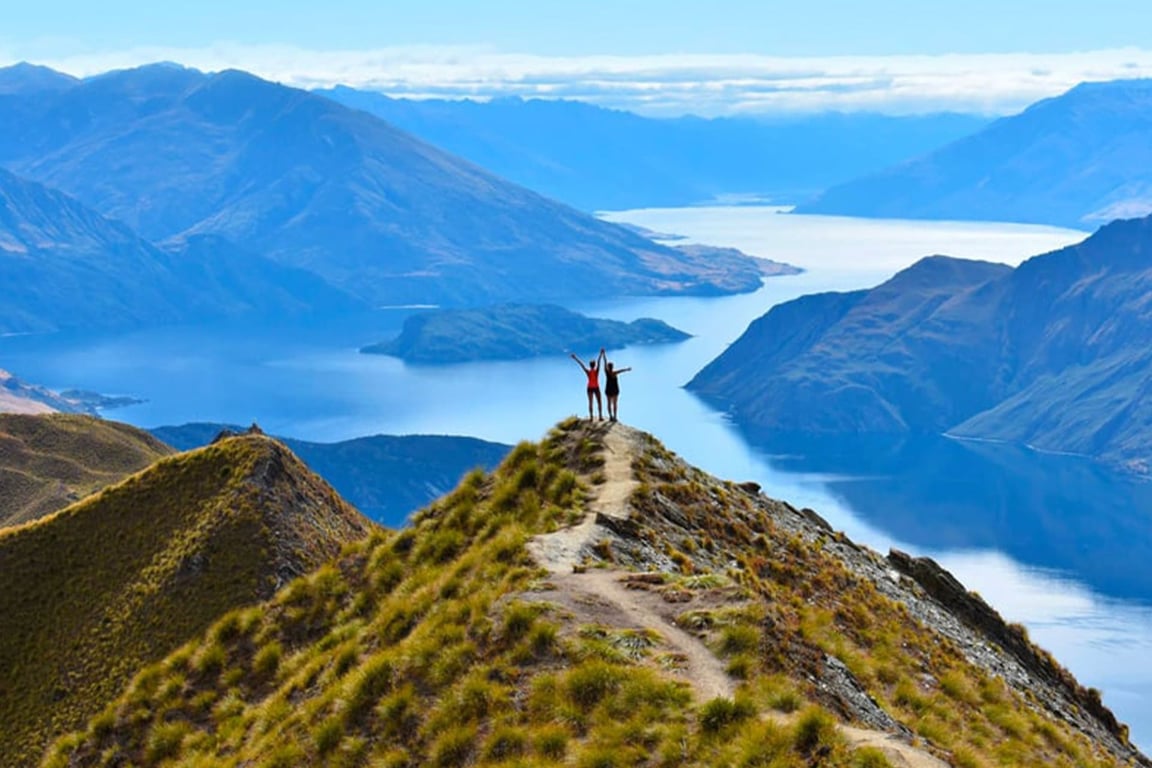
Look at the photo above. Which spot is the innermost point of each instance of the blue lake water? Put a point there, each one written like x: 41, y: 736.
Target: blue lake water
x: 1052, y: 542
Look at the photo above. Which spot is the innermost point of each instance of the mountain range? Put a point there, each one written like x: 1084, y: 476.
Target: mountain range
x: 1053, y: 354
x: 1077, y: 160
x: 595, y: 158
x: 175, y: 154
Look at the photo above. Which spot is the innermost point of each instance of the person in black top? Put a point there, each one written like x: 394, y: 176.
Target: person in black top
x: 612, y: 388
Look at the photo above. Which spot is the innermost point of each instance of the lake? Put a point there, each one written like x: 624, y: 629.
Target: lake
x: 1052, y: 542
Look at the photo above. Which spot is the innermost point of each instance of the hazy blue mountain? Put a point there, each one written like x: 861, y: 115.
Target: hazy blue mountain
x: 597, y: 159
x: 1055, y: 354
x: 386, y: 477
x: 25, y: 77
x: 311, y: 184
x: 513, y: 332
x: 64, y: 266
x: 1076, y: 160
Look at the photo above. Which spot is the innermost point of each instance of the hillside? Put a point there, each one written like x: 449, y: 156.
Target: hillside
x: 1053, y: 354
x: 595, y: 601
x: 595, y: 158
x: 1052, y: 512
x: 64, y: 266
x: 295, y: 177
x: 123, y: 578
x: 1076, y: 160
x: 515, y: 332
x: 49, y: 461
x: 386, y: 477
x: 18, y: 396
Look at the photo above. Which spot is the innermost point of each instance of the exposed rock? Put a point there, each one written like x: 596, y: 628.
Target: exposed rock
x: 1012, y: 638
x: 853, y: 702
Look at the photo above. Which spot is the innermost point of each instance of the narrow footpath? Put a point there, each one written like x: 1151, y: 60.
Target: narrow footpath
x: 602, y: 596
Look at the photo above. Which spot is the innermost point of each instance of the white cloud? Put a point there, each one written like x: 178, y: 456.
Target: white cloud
x: 667, y: 84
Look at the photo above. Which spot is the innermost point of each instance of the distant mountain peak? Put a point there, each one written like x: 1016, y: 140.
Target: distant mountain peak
x: 1071, y: 160
x: 314, y: 185
x: 24, y: 77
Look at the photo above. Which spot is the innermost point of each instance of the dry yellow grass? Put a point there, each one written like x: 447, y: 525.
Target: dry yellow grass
x: 93, y: 592
x: 50, y: 461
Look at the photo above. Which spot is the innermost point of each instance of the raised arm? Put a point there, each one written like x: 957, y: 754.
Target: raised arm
x: 623, y: 370
x: 602, y: 357
x: 579, y: 362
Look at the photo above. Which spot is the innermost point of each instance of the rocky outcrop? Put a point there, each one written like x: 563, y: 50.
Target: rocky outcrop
x: 970, y: 608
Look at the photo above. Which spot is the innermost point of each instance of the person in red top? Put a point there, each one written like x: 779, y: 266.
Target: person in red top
x: 592, y: 371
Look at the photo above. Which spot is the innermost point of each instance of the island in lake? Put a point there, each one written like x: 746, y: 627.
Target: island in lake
x: 515, y: 332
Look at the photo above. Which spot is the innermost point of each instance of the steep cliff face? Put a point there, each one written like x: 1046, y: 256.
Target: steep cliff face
x: 596, y: 600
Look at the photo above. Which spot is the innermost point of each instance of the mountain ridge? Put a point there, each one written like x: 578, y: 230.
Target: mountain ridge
x: 451, y: 643
x: 1074, y: 160
x: 386, y: 477
x: 308, y: 183
x: 597, y: 158
x: 50, y: 461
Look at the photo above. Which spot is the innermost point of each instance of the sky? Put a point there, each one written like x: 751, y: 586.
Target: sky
x: 716, y: 57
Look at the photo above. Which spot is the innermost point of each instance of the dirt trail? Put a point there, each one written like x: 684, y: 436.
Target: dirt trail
x: 603, y: 596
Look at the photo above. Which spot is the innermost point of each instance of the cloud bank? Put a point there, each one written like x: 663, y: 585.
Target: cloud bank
x: 666, y: 84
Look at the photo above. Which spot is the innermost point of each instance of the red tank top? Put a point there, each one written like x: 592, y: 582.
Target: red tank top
x: 593, y: 378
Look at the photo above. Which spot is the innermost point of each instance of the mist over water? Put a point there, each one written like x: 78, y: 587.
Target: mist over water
x: 1052, y: 542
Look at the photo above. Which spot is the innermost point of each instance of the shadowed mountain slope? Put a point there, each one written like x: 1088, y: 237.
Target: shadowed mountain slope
x: 124, y: 577
x: 49, y: 461
x: 596, y: 601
